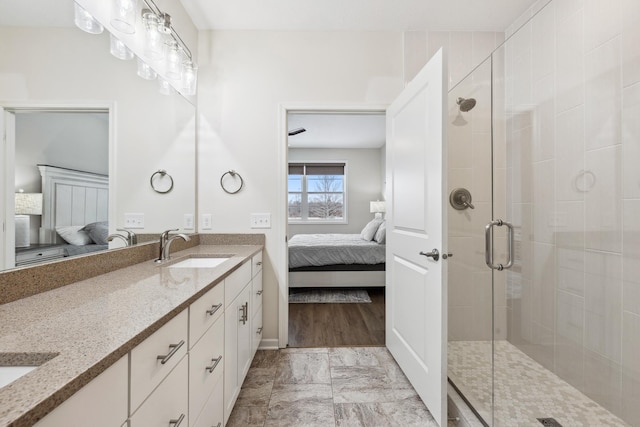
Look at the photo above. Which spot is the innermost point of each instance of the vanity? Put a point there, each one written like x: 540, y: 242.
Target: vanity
x: 143, y: 345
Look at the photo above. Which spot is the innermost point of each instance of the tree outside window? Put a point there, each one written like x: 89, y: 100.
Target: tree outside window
x: 317, y: 192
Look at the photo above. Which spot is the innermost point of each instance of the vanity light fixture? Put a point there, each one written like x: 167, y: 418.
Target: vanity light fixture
x: 189, y: 77
x: 119, y: 49
x: 123, y: 15
x: 145, y: 71
x: 173, y: 60
x: 164, y: 87
x: 85, y: 21
x: 153, y: 37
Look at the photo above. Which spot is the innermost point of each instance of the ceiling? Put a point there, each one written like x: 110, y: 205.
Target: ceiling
x: 339, y: 130
x: 290, y: 15
x: 356, y: 15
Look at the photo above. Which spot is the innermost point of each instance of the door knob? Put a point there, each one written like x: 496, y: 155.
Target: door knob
x: 435, y: 254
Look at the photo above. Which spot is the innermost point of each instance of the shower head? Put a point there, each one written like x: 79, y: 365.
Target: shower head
x: 466, y: 104
x: 296, y: 131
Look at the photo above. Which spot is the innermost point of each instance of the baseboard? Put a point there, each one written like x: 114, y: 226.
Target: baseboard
x: 269, y: 344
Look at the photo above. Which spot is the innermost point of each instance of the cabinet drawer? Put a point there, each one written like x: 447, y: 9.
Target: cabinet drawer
x: 256, y: 264
x: 206, y: 365
x: 168, y: 402
x: 212, y: 415
x: 204, y: 312
x: 147, y: 369
x: 101, y: 403
x: 31, y: 256
x: 236, y: 282
x: 256, y: 292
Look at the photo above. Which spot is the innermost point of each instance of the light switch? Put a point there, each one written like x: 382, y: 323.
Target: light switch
x: 134, y: 220
x: 260, y: 220
x: 188, y: 221
x: 206, y: 222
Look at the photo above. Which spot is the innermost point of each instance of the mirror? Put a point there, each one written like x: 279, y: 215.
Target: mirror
x: 51, y: 69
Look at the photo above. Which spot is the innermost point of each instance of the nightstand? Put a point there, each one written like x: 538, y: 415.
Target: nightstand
x: 34, y: 254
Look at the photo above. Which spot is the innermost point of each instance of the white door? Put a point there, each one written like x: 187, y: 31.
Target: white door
x: 416, y: 293
x: 7, y: 189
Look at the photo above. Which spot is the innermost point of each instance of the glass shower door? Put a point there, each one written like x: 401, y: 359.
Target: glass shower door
x: 472, y: 300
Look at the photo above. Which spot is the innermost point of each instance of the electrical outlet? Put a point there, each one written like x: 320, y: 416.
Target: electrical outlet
x: 206, y: 222
x: 260, y: 220
x: 134, y: 220
x: 188, y: 221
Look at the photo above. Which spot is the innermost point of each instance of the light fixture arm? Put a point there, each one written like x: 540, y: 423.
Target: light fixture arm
x: 165, y: 19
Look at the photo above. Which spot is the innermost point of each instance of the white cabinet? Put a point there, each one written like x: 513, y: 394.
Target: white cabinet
x: 168, y: 404
x: 204, y: 312
x: 206, y: 366
x: 213, y: 413
x: 256, y: 315
x: 156, y: 356
x: 101, y: 403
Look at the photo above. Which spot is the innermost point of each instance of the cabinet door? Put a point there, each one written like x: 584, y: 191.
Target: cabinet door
x: 101, y: 403
x: 212, y: 414
x: 206, y: 364
x: 168, y: 404
x: 204, y: 312
x: 256, y: 327
x: 256, y: 264
x: 256, y: 284
x: 237, y: 347
x: 147, y: 370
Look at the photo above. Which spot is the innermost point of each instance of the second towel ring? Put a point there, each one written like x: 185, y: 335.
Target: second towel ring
x: 156, y: 187
x: 233, y: 175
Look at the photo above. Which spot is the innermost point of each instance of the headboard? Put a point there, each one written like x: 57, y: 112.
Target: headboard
x: 71, y: 197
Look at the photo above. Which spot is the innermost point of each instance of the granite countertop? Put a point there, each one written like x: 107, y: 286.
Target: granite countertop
x: 89, y: 325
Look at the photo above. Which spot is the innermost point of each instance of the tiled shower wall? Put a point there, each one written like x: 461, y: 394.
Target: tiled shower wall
x: 572, y: 124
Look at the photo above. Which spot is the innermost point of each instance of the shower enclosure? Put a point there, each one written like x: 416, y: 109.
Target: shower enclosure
x: 544, y: 288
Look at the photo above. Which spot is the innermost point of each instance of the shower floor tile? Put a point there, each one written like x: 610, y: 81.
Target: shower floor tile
x: 524, y: 389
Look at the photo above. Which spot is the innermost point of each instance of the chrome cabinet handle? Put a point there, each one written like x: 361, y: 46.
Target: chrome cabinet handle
x: 245, y: 312
x: 174, y: 347
x: 215, y: 363
x: 259, y: 263
x: 213, y: 309
x: 259, y: 331
x: 488, y: 244
x: 177, y: 422
x: 259, y: 292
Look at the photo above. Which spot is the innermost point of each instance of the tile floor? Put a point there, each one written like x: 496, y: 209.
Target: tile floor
x: 345, y: 386
x: 524, y: 390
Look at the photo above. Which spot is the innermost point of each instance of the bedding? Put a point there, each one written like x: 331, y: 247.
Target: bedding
x: 71, y: 250
x: 333, y: 249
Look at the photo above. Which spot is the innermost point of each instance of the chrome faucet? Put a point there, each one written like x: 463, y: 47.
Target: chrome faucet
x: 118, y: 236
x: 165, y: 244
x: 132, y: 238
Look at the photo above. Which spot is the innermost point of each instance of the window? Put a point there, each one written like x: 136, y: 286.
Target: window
x: 317, y: 193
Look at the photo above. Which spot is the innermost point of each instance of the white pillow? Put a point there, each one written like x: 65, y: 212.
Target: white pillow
x: 370, y: 229
x: 73, y: 235
x: 381, y: 234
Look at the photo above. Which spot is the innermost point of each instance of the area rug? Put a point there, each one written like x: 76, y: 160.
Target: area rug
x: 328, y: 296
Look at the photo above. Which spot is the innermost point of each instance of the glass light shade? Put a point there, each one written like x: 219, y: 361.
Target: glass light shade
x: 153, y: 38
x: 189, y: 77
x: 119, y: 49
x: 123, y: 15
x: 377, y: 206
x: 173, y: 60
x: 85, y: 21
x: 164, y: 87
x: 145, y: 71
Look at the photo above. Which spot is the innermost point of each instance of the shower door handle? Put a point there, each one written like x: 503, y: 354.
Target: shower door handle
x: 488, y: 242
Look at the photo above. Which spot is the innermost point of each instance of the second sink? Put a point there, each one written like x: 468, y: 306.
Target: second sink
x: 199, y: 262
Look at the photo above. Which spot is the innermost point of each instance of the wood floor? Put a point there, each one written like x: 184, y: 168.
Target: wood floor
x: 338, y: 325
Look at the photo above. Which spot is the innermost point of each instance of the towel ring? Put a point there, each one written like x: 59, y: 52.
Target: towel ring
x: 157, y: 188
x: 233, y: 175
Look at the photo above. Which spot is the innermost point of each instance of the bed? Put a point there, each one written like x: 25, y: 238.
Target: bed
x: 336, y: 260
x: 75, y: 210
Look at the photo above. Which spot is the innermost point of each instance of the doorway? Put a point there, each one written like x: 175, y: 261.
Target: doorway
x: 351, y: 140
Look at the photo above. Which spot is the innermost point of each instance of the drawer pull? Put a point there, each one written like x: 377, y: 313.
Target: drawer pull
x: 215, y: 363
x: 259, y: 263
x: 259, y: 331
x: 259, y: 292
x: 174, y: 347
x: 245, y: 313
x: 213, y: 309
x: 176, y: 423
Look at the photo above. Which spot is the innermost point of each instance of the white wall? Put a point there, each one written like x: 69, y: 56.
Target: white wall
x: 245, y: 76
x: 363, y: 185
x: 58, y: 65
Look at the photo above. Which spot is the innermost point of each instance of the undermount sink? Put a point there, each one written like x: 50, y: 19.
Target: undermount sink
x: 16, y: 365
x: 200, y: 262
